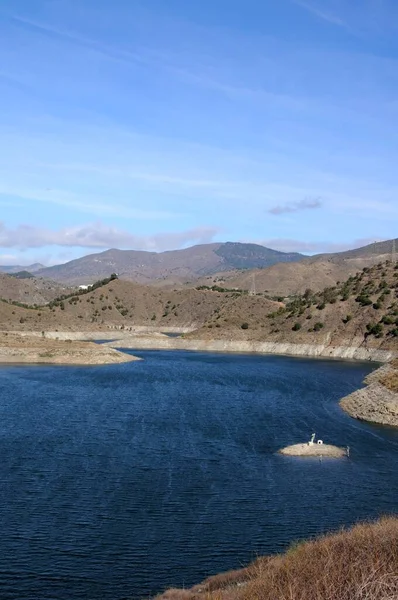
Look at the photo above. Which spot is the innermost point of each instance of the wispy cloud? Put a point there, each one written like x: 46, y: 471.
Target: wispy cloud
x: 80, y: 203
x: 306, y: 204
x: 98, y: 235
x: 8, y: 259
x: 321, y: 14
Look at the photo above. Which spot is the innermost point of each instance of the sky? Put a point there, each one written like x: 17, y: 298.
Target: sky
x: 154, y: 125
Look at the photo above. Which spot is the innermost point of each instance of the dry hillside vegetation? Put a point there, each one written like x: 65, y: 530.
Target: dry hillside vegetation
x: 358, y: 564
x: 363, y: 310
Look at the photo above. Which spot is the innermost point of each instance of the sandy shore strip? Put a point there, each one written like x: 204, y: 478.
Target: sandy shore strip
x: 16, y: 349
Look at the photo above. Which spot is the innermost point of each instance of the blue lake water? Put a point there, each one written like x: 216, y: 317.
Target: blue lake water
x: 119, y: 481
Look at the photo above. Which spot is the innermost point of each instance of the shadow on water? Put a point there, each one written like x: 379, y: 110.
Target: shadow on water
x: 119, y: 481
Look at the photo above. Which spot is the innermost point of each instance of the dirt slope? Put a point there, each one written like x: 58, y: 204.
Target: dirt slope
x: 35, y: 290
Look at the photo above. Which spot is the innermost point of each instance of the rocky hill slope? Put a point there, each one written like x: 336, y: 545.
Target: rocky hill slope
x: 361, y: 311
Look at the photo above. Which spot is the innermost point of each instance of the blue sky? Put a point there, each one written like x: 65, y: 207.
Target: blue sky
x: 155, y: 125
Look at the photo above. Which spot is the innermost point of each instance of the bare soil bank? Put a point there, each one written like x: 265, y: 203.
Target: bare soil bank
x: 147, y: 338
x: 18, y: 349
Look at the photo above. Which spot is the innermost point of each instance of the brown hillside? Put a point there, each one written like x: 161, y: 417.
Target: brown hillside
x: 125, y: 304
x: 34, y: 290
x: 285, y: 279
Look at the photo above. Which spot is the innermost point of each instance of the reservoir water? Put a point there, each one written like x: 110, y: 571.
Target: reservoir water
x: 118, y: 481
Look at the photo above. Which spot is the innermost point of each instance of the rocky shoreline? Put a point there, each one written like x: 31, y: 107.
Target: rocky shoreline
x: 375, y: 403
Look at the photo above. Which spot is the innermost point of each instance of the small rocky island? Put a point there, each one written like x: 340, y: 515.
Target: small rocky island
x: 313, y: 448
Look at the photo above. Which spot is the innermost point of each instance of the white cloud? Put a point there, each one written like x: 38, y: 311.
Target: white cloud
x: 98, y: 235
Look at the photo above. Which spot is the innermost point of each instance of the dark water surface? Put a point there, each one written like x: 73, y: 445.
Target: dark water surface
x: 118, y: 481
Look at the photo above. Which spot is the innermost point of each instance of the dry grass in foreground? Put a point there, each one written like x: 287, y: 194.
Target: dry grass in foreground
x: 356, y: 564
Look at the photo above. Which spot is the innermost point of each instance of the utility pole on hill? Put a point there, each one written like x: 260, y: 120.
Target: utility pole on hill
x: 253, y: 286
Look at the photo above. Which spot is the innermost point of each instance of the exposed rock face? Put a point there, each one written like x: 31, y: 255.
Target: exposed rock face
x: 311, y: 350
x: 375, y: 403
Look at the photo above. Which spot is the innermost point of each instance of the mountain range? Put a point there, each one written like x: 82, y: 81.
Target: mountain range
x: 18, y: 268
x: 173, y: 267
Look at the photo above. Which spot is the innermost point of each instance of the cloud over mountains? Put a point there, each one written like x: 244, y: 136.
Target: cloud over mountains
x: 98, y: 235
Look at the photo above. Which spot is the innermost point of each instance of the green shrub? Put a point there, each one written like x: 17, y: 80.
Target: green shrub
x: 245, y: 326
x: 363, y: 300
x: 387, y: 320
x: 318, y: 326
x: 375, y: 329
x: 296, y: 327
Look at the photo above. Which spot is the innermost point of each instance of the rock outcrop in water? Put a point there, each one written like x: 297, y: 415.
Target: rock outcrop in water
x: 315, y: 448
x: 325, y: 450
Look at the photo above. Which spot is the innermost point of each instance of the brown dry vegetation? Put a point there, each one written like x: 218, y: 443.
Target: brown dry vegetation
x: 390, y: 380
x: 357, y: 564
